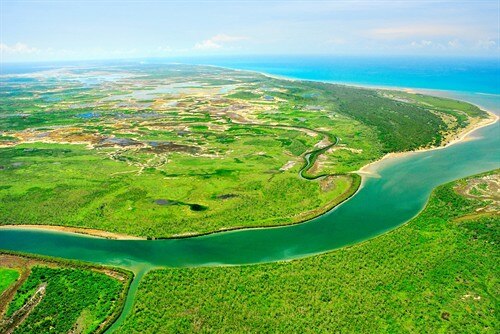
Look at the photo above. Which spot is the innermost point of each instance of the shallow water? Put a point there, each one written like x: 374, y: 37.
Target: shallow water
x: 382, y: 204
x: 385, y: 202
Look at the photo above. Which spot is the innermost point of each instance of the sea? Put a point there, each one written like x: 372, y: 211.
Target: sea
x: 472, y: 78
x: 383, y: 203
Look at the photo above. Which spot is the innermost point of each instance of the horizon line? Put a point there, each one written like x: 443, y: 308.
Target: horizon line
x: 277, y: 55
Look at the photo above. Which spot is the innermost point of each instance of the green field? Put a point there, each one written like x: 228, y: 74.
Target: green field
x: 63, y: 299
x: 437, y: 274
x: 161, y: 151
x: 7, y: 277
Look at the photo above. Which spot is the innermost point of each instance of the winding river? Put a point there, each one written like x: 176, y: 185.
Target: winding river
x: 396, y: 191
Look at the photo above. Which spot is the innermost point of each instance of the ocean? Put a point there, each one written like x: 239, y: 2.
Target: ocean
x: 474, y: 79
x: 478, y: 75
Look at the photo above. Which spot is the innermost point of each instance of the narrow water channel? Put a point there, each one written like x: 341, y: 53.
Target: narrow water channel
x: 396, y: 192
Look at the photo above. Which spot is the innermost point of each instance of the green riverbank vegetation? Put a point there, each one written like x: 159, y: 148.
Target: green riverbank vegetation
x: 52, y: 296
x: 436, y: 274
x: 7, y: 278
x: 175, y: 150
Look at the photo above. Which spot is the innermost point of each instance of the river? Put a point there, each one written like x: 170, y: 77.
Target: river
x: 397, y: 192
x: 395, y: 195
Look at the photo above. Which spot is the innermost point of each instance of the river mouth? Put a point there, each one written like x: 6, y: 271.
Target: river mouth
x: 380, y: 205
x: 398, y: 192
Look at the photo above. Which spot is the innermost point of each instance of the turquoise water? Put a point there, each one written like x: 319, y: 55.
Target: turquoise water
x: 457, y: 74
x: 397, y: 193
x: 383, y: 203
x: 443, y: 73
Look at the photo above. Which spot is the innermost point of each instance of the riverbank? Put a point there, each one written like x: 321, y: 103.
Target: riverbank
x: 78, y: 230
x: 379, y: 206
x: 300, y: 219
x: 366, y: 170
x: 415, y: 273
x: 370, y: 169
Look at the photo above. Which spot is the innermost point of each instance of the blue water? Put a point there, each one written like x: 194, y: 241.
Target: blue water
x: 381, y: 205
x: 457, y: 74
x: 443, y: 73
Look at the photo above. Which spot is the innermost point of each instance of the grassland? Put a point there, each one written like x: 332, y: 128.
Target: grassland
x: 161, y: 151
x: 437, y: 274
x: 59, y: 297
x: 7, y: 277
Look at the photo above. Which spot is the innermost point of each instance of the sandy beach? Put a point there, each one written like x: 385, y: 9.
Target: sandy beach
x: 79, y: 230
x: 464, y: 135
x: 368, y: 170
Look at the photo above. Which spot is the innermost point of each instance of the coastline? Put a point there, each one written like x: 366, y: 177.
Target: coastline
x: 449, y: 94
x: 368, y: 170
x: 462, y: 136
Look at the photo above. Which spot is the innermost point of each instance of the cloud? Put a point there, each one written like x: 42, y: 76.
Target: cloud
x: 421, y: 44
x: 486, y: 44
x: 17, y: 49
x: 454, y: 43
x: 218, y: 42
x: 409, y: 31
x: 207, y: 45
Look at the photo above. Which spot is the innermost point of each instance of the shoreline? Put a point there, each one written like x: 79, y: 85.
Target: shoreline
x: 77, y: 230
x: 412, y: 90
x: 90, y: 232
x: 366, y: 171
x: 369, y: 170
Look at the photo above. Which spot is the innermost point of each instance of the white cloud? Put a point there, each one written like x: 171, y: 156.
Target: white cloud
x: 421, y: 44
x: 17, y: 49
x: 486, y: 44
x: 207, y: 45
x: 454, y: 43
x: 408, y: 31
x: 218, y: 42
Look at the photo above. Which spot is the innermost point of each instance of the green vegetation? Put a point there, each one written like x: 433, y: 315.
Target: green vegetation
x: 7, y: 277
x: 403, y: 121
x: 438, y: 273
x: 74, y: 299
x: 161, y: 151
x: 243, y: 95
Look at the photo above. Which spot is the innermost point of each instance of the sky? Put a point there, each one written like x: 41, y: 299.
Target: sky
x: 76, y: 30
